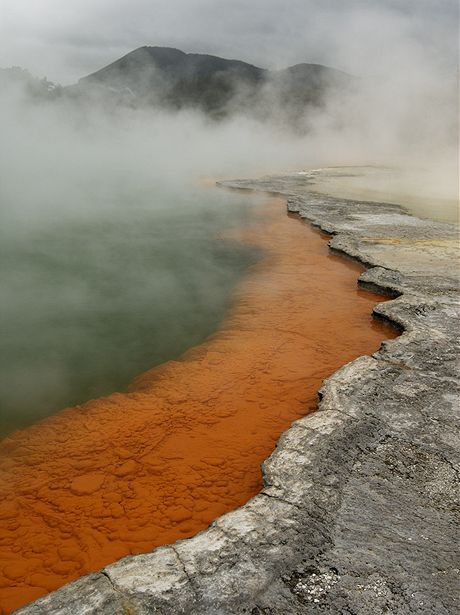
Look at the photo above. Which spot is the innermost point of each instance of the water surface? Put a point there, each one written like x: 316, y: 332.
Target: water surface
x: 128, y: 472
x: 91, y: 300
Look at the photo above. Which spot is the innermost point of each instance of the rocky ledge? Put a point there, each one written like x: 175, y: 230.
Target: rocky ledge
x: 360, y: 507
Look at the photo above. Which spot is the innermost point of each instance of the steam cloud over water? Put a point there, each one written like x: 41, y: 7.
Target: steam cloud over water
x: 403, y: 110
x: 105, y: 234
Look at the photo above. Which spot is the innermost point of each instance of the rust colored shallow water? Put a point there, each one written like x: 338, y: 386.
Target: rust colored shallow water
x: 129, y: 472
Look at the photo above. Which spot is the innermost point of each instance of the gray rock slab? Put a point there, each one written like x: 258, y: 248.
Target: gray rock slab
x: 359, y: 513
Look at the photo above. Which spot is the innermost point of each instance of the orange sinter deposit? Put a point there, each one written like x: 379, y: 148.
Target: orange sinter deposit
x: 131, y: 471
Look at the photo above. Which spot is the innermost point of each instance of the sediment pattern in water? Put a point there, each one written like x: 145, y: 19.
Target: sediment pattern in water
x: 128, y: 472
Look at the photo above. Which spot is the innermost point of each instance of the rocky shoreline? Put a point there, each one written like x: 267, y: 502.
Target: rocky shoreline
x: 359, y: 513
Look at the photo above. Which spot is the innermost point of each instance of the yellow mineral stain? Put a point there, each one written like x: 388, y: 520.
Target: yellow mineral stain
x: 131, y: 471
x: 438, y: 243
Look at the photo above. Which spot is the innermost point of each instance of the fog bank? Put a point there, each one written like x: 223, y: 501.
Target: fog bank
x: 103, y: 209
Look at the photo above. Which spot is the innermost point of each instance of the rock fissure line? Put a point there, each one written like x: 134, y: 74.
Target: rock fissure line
x: 385, y: 539
x: 112, y: 585
x: 183, y: 566
x: 275, y: 497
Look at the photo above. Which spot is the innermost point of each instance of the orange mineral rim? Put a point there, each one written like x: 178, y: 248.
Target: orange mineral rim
x: 132, y: 471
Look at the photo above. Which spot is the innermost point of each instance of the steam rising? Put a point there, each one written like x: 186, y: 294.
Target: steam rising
x: 83, y: 184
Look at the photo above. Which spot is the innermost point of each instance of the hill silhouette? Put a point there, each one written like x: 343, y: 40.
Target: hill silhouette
x: 171, y: 78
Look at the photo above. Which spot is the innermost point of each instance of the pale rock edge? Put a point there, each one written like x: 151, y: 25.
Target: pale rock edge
x: 359, y: 513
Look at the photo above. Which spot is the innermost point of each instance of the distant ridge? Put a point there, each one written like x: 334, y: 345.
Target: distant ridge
x: 168, y: 78
x: 171, y: 78
x: 169, y: 59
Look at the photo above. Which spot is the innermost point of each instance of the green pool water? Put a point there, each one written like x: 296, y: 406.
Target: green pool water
x: 89, y: 301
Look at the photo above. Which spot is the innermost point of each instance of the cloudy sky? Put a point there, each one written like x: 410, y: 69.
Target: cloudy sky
x: 66, y: 39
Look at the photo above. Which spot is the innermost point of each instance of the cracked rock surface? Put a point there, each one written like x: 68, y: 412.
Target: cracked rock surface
x: 360, y: 510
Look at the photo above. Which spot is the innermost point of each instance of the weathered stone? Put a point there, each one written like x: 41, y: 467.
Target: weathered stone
x: 91, y: 594
x: 360, y: 508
